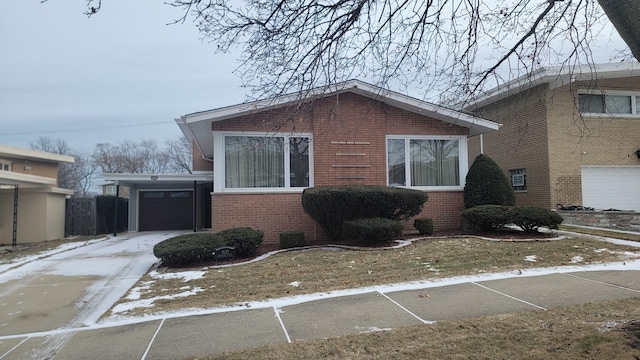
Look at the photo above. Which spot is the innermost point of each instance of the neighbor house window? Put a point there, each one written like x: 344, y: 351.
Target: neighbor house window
x: 110, y: 190
x: 276, y: 162
x: 518, y: 179
x: 429, y: 162
x: 5, y: 165
x: 614, y: 103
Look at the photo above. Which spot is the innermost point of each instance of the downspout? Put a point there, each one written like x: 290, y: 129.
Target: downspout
x: 481, y: 144
x: 194, y: 206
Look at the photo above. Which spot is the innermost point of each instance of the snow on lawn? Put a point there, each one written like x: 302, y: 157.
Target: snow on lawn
x: 186, y: 276
x: 532, y: 258
x: 148, y: 303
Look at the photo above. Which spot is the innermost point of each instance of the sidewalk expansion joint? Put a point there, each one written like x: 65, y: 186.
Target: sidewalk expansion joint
x: 284, y: 329
x: 146, y: 352
x: 406, y: 310
x: 509, y: 296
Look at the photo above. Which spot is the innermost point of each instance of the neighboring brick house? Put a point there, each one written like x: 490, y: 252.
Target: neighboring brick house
x: 569, y: 136
x: 32, y: 207
x: 264, y: 154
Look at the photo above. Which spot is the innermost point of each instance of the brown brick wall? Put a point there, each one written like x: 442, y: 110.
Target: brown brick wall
x: 348, y: 148
x: 521, y: 142
x: 199, y: 162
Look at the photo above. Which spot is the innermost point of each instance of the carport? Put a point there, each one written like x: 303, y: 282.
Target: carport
x: 166, y: 202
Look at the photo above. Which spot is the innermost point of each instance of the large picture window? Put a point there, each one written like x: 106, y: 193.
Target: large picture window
x: 426, y: 162
x: 264, y: 161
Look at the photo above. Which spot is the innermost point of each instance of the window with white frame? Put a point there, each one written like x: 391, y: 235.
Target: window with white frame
x: 266, y: 162
x: 518, y: 179
x: 609, y: 102
x: 5, y: 165
x: 110, y: 190
x: 426, y: 162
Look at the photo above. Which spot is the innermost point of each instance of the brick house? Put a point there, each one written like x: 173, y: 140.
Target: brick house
x: 263, y: 154
x: 568, y: 137
x: 32, y: 207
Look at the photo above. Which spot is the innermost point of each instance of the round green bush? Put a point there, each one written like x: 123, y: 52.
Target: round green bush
x: 187, y: 249
x: 424, y: 226
x: 530, y: 218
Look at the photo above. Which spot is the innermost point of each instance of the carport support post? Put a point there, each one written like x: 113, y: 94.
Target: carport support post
x: 115, y: 217
x: 14, y: 241
x: 194, y: 206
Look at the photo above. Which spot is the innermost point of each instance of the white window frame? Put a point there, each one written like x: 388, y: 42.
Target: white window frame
x: 110, y: 190
x: 520, y: 174
x: 219, y: 184
x: 463, y: 159
x: 635, y: 98
x: 5, y: 163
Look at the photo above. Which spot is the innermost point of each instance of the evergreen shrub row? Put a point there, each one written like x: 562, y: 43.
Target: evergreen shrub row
x: 495, y: 217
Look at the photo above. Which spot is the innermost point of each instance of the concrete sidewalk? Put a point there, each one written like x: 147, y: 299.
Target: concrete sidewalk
x: 178, y: 337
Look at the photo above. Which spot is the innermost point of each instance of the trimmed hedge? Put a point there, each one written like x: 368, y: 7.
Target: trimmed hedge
x: 291, y: 239
x: 187, y: 249
x: 488, y: 217
x: 495, y: 217
x: 530, y: 218
x: 424, y: 226
x: 331, y: 206
x: 244, y: 239
x: 372, y: 230
x: 200, y: 247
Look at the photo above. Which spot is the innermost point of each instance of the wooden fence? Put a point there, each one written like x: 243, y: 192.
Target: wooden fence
x: 80, y: 217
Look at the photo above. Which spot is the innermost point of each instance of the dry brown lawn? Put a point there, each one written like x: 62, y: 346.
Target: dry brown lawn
x: 323, y: 270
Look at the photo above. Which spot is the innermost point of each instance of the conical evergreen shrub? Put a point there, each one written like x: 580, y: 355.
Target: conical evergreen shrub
x: 487, y: 184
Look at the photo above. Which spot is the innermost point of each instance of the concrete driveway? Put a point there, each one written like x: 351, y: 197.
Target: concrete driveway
x: 72, y: 288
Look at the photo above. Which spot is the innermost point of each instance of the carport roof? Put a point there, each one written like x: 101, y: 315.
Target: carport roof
x: 25, y: 180
x: 131, y: 180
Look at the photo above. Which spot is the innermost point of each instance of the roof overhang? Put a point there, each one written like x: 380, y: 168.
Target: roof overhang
x: 158, y: 180
x: 25, y: 180
x: 197, y: 126
x: 554, y: 76
x: 20, y: 153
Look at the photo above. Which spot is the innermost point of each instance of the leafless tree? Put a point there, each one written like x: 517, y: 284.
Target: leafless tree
x: 144, y: 157
x: 77, y: 176
x: 181, y: 155
x: 450, y: 49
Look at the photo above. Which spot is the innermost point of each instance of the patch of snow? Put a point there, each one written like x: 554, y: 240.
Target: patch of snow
x: 531, y: 258
x: 295, y: 283
x: 148, y: 303
x: 577, y: 259
x: 369, y: 329
x: 186, y: 276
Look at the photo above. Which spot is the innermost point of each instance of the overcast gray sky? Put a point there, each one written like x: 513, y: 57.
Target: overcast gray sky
x: 123, y: 74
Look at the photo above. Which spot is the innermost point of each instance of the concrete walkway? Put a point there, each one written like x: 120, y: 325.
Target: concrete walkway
x: 277, y: 322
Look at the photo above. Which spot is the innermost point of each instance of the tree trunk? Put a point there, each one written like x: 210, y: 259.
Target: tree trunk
x: 625, y: 16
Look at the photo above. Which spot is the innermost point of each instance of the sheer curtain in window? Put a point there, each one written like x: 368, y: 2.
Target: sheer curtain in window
x: 434, y: 162
x: 253, y: 161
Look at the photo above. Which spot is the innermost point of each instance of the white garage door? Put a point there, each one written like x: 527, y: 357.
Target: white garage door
x: 608, y: 187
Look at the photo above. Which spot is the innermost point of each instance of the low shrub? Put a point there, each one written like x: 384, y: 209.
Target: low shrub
x: 187, y: 249
x: 372, y: 231
x: 200, y: 247
x: 291, y: 239
x: 424, y: 226
x: 331, y: 206
x: 488, y: 217
x: 530, y: 218
x: 244, y: 239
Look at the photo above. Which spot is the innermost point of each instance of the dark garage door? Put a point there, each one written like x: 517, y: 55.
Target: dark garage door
x: 165, y: 210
